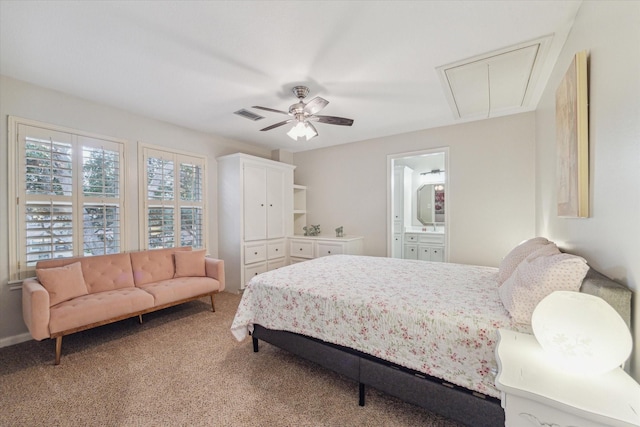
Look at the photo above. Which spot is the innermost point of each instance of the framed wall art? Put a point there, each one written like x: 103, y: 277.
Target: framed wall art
x: 572, y: 139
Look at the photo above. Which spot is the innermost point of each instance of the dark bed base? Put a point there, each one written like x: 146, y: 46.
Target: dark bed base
x: 456, y: 403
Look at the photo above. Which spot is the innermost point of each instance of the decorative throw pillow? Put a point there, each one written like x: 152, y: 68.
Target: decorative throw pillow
x: 517, y: 255
x: 190, y: 264
x: 538, y: 276
x: 62, y: 283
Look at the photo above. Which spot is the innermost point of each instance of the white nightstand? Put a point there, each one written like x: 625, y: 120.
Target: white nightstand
x: 535, y: 393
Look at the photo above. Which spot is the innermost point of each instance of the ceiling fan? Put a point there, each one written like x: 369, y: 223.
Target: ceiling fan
x: 303, y: 114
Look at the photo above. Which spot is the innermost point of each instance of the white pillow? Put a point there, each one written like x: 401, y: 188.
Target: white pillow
x: 541, y: 273
x: 517, y: 255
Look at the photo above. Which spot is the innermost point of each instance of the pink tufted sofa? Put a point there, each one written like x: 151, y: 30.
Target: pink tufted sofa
x: 115, y: 287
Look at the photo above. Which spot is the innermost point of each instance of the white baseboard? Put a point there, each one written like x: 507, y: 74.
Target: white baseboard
x: 16, y: 339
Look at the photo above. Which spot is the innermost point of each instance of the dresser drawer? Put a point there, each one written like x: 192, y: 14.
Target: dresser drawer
x: 255, y: 253
x: 410, y: 238
x: 325, y: 249
x: 437, y: 239
x: 272, y: 265
x: 275, y: 250
x: 251, y: 271
x: 301, y: 248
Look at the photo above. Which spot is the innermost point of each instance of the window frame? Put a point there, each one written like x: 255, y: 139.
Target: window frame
x: 18, y: 199
x: 145, y: 151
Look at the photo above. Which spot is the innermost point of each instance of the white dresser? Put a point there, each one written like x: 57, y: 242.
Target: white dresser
x: 535, y: 393
x: 255, y: 216
x: 303, y: 248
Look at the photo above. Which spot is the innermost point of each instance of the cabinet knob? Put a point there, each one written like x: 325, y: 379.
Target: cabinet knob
x: 255, y: 253
x: 261, y: 204
x: 276, y: 249
x: 328, y: 252
x: 300, y: 248
x: 270, y: 204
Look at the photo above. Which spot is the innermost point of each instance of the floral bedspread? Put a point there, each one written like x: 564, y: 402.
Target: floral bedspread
x: 437, y: 318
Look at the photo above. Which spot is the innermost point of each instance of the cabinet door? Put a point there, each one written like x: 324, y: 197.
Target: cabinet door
x: 275, y: 203
x: 410, y: 252
x: 437, y: 253
x: 397, y: 246
x: 255, y: 202
x: 424, y: 253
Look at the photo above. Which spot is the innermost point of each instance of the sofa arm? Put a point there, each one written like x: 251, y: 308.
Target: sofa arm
x: 215, y: 269
x: 35, y: 308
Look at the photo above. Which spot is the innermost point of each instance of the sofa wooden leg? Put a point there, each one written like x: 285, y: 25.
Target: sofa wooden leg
x: 58, y: 349
x: 213, y: 307
x: 140, y: 318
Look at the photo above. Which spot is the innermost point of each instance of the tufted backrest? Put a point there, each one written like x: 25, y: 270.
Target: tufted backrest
x: 101, y: 273
x: 154, y: 265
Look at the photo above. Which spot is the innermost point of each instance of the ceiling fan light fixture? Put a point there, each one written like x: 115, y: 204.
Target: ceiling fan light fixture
x: 302, y: 130
x: 302, y: 114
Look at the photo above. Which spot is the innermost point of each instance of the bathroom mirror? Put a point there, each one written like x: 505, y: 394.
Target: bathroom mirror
x: 430, y: 203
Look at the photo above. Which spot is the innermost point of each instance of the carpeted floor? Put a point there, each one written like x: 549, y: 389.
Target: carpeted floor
x: 182, y: 367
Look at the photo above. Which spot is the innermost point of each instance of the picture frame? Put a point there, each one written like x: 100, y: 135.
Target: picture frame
x: 572, y: 140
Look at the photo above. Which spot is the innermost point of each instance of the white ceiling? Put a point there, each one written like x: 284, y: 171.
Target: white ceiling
x: 193, y: 63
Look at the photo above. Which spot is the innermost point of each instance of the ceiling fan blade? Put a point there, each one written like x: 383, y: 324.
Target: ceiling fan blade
x: 315, y: 105
x: 332, y: 120
x: 315, y: 131
x: 278, y: 124
x: 270, y: 109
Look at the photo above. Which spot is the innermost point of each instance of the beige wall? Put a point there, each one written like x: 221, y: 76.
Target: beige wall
x: 610, y: 238
x: 490, y: 186
x: 24, y: 100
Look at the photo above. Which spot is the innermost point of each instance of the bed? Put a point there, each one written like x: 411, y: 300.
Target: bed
x: 421, y: 331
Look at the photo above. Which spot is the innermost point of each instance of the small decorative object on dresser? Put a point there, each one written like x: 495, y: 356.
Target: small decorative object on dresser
x: 311, y: 230
x: 339, y: 232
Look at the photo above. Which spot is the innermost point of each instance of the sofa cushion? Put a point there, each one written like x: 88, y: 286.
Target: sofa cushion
x: 62, y: 283
x: 101, y: 273
x: 168, y: 291
x: 154, y: 265
x: 190, y: 264
x: 98, y: 307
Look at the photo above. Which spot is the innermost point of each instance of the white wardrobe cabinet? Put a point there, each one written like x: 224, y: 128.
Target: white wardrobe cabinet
x: 263, y: 202
x: 255, y: 215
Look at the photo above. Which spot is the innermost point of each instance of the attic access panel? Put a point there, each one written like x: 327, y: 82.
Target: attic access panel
x: 495, y: 83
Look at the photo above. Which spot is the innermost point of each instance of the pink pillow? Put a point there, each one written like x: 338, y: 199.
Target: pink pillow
x: 62, y: 283
x: 517, y: 255
x: 190, y: 264
x: 540, y: 274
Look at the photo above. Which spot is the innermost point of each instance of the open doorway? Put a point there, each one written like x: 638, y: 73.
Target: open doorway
x: 417, y: 205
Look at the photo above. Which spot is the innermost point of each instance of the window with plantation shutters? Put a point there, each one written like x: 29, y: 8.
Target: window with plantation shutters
x: 174, y: 205
x: 68, y: 192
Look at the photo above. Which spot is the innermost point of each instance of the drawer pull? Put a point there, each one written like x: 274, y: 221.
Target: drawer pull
x: 300, y: 248
x: 328, y: 252
x: 255, y: 253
